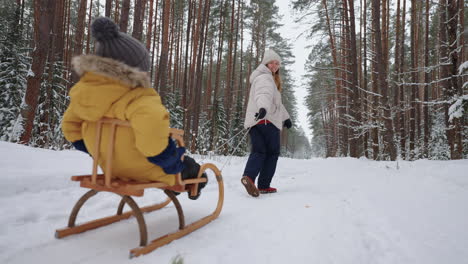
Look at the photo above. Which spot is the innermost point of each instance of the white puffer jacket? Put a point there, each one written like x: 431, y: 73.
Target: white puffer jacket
x: 264, y: 94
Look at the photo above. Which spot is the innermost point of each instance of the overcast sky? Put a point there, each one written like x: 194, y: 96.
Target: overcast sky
x: 291, y: 31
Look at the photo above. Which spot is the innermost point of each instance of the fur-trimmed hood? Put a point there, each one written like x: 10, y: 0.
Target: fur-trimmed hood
x: 113, y: 69
x: 106, y: 87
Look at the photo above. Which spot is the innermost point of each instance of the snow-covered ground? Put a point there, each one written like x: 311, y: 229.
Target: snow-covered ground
x: 338, y: 210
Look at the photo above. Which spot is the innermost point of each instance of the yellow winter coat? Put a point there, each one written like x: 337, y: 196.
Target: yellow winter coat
x: 109, y: 88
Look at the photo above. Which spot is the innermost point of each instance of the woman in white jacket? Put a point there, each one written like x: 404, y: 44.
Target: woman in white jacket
x: 265, y: 116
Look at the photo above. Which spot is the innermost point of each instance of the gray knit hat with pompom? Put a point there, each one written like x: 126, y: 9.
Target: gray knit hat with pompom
x: 111, y: 43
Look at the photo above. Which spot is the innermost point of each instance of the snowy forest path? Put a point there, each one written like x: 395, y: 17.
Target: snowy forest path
x: 336, y: 210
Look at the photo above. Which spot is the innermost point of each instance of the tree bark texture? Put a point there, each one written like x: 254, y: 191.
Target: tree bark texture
x: 382, y: 81
x: 43, y: 11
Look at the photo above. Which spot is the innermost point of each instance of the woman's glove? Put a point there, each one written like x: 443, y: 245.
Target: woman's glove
x: 169, y: 160
x: 287, y: 123
x: 261, y: 114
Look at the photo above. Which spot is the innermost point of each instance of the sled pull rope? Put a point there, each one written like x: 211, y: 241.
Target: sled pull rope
x: 233, y: 137
x: 229, y: 140
x: 240, y: 142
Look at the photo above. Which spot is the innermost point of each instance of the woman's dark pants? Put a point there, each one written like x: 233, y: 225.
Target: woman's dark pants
x: 265, y: 139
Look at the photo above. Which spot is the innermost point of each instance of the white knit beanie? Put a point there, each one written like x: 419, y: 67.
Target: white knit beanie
x: 270, y: 55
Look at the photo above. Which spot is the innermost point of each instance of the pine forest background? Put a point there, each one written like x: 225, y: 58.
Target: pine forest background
x: 386, y: 79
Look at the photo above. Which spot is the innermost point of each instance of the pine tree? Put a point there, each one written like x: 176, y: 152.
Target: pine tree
x: 53, y: 102
x: 239, y: 141
x: 438, y: 144
x: 220, y: 127
x: 320, y: 101
x: 203, y: 138
x: 14, y: 67
x: 175, y: 110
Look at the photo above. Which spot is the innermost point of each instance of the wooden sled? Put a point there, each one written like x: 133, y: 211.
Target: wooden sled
x: 127, y: 189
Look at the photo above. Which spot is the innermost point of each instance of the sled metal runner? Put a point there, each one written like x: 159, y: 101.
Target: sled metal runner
x: 126, y: 189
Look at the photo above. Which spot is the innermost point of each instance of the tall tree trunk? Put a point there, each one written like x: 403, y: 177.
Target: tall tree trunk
x: 463, y: 56
x: 178, y: 13
x: 355, y: 106
x: 426, y: 85
x: 385, y: 32
x: 195, y: 45
x: 138, y: 18
x: 59, y: 29
x: 222, y: 20
x: 247, y: 77
x: 235, y: 84
x: 43, y: 11
x: 199, y: 72
x: 461, y: 10
x: 414, y: 78
x: 403, y: 120
x: 343, y: 97
x: 185, y: 82
x: 365, y: 79
x: 45, y: 97
x: 80, y: 25
x: 382, y: 81
x: 171, y: 51
x: 445, y: 68
x: 190, y: 115
x: 108, y: 8
x: 375, y: 102
x: 185, y: 93
x: 455, y: 90
x: 67, y: 55
x: 419, y: 87
x: 164, y: 50
x: 21, y: 18
x: 396, y: 77
x: 116, y: 12
x: 241, y: 63
x: 193, y: 77
x: 154, y: 56
x: 208, y: 103
x: 336, y: 72
x: 79, y: 34
x: 229, y: 70
x: 149, y: 32
x: 124, y: 16
x: 88, y: 37
x: 347, y: 83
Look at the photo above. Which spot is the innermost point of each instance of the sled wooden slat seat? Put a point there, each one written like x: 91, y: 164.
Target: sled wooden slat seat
x: 128, y: 188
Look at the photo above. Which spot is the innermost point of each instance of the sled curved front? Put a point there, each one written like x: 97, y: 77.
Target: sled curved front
x: 185, y: 230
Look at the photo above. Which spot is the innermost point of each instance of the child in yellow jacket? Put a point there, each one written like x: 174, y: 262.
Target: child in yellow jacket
x: 115, y: 83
